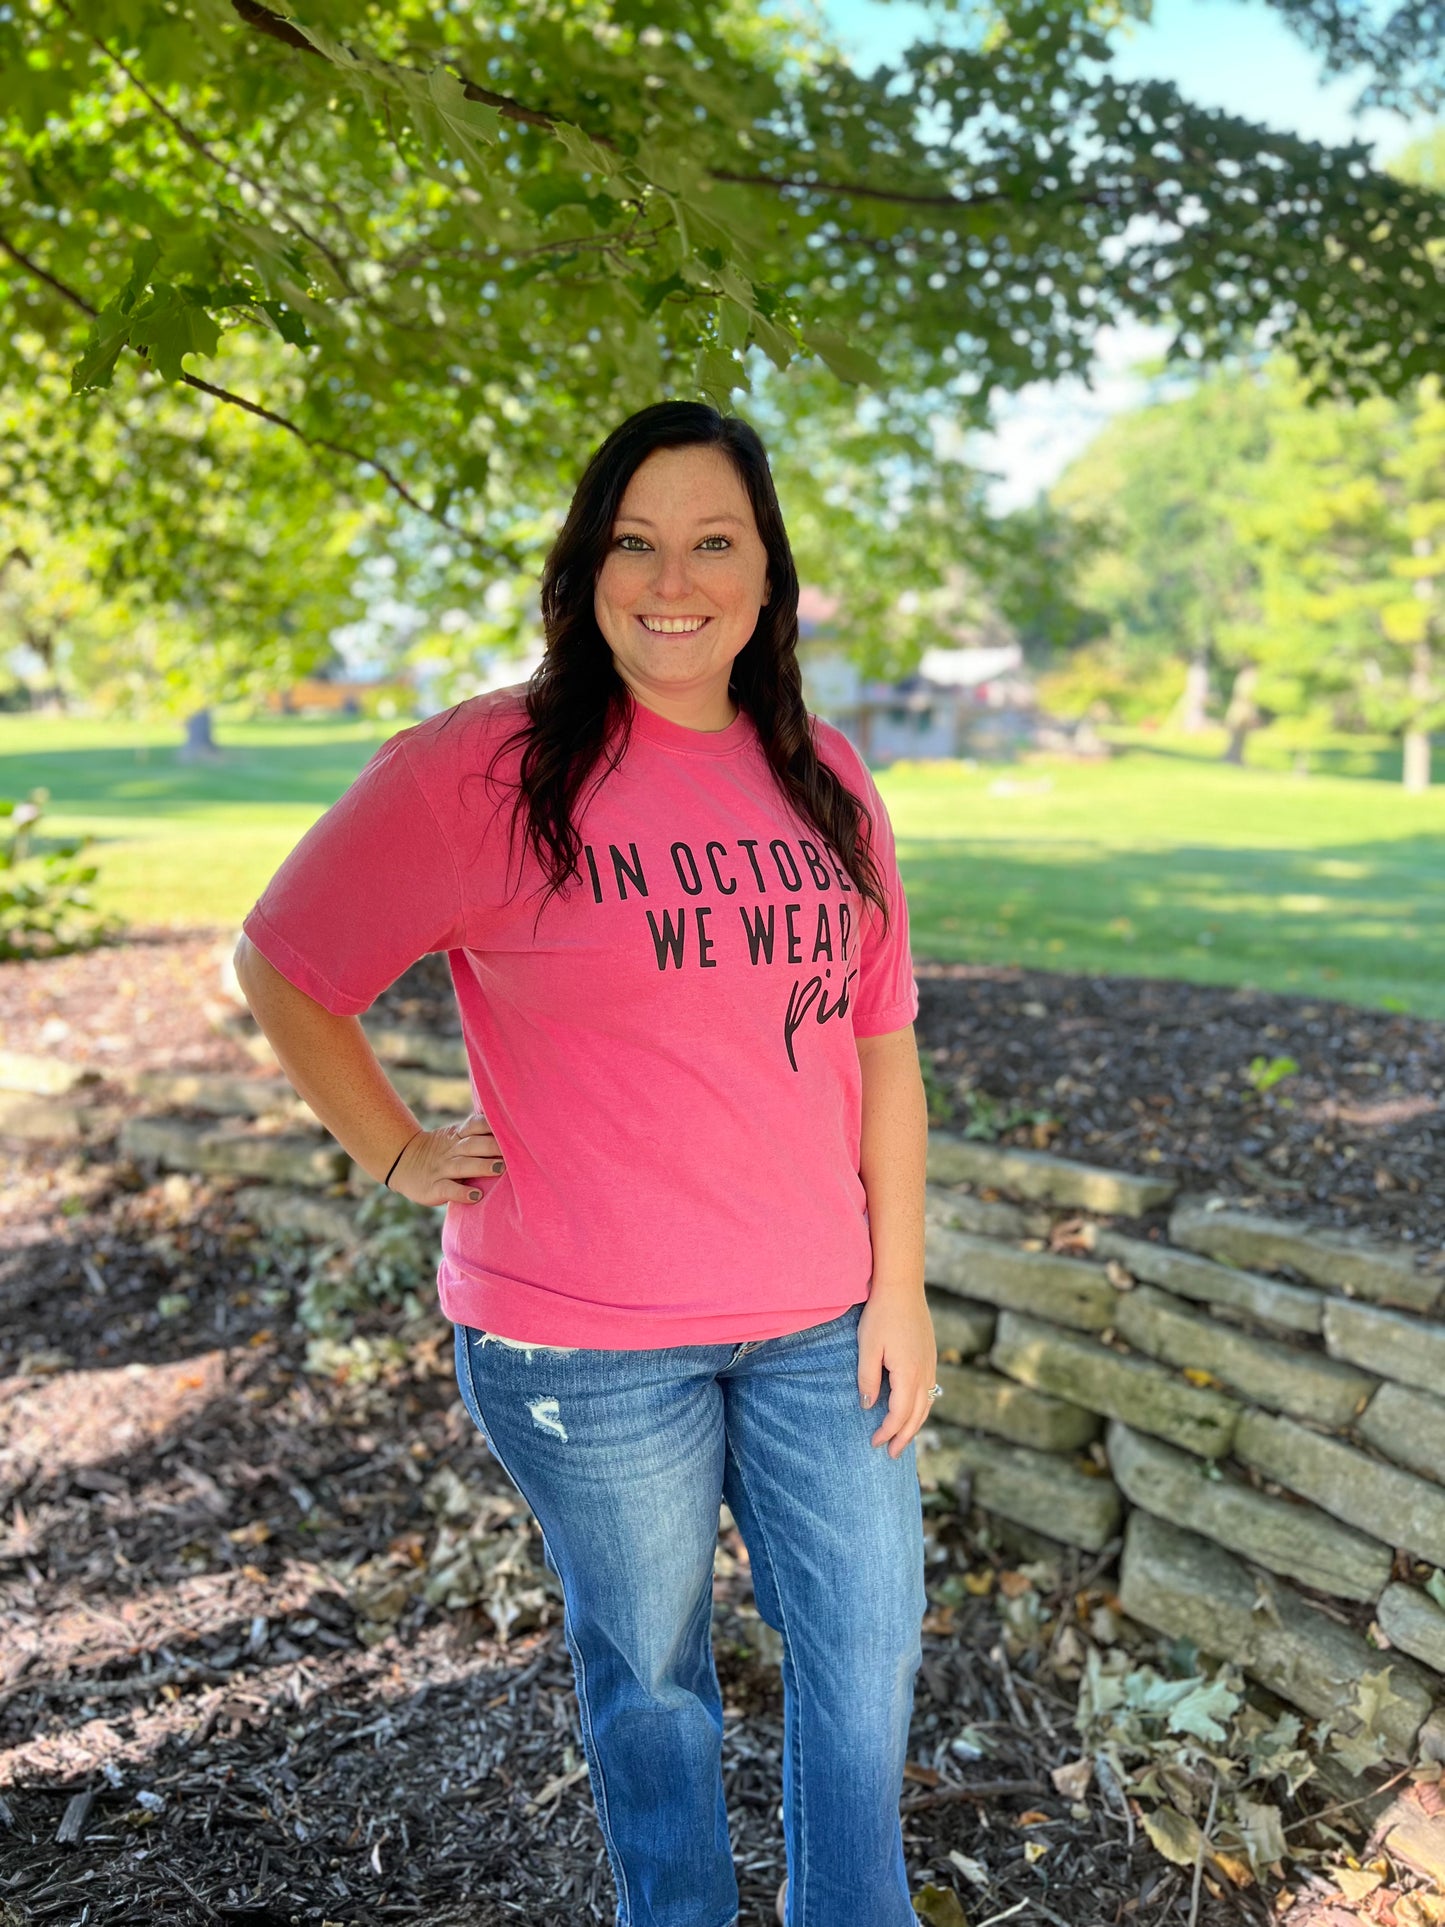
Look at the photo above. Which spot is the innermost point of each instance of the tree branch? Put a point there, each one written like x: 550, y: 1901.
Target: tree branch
x: 392, y: 480
x: 264, y: 21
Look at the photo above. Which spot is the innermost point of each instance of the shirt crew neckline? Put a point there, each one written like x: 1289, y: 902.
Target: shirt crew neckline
x: 659, y: 729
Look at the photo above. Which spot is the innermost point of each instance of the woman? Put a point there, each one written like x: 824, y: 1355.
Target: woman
x: 683, y: 1245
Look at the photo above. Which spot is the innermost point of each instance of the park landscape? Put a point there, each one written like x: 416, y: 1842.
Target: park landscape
x: 311, y: 315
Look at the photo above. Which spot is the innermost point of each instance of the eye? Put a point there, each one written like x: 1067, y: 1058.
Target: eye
x: 629, y: 538
x: 715, y: 538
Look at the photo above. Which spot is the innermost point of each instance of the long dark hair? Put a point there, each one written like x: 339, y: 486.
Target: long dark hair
x: 578, y: 708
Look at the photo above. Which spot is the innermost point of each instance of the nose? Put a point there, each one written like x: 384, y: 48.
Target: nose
x: 671, y: 576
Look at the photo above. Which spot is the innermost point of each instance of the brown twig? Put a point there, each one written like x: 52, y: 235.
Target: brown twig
x: 392, y: 480
x: 1202, y: 1849
x: 973, y: 1790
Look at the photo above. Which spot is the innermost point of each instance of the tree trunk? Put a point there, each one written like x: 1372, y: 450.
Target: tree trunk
x: 1416, y: 770
x: 200, y: 745
x: 1193, y: 716
x: 1242, y: 714
x: 1417, y: 761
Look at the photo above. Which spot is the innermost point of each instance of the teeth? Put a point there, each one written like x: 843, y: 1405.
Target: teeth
x: 672, y: 625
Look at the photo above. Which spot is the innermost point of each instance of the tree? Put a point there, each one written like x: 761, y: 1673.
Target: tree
x: 1349, y: 519
x: 473, y: 238
x: 178, y: 555
x: 1170, y: 572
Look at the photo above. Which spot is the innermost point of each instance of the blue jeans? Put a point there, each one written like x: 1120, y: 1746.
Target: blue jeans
x: 623, y: 1457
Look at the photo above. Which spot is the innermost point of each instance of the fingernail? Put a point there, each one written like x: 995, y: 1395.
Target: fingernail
x: 498, y: 1166
x: 474, y: 1195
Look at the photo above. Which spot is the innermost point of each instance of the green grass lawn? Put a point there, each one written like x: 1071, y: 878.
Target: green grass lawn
x: 1160, y: 862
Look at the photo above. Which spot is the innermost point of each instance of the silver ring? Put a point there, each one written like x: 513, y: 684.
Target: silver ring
x: 937, y: 1392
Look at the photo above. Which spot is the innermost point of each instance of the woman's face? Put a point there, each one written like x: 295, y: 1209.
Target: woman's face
x: 685, y: 574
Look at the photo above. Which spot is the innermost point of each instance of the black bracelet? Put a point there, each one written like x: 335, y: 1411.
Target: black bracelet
x: 397, y: 1159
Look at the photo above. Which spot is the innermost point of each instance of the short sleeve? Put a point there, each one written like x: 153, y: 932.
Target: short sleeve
x: 370, y: 888
x: 886, y: 996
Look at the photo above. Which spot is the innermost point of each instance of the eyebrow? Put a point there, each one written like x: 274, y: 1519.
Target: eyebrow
x: 645, y: 523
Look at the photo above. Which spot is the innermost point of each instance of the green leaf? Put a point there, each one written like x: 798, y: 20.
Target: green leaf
x: 848, y: 362
x: 141, y: 263
x: 1435, y: 1586
x: 1202, y: 1711
x: 584, y: 150
x: 109, y: 333
x: 467, y: 125
x: 776, y: 343
x: 717, y: 374
x: 170, y: 325
x: 289, y: 326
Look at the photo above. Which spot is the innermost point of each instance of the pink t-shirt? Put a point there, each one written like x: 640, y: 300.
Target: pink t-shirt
x: 667, y: 1058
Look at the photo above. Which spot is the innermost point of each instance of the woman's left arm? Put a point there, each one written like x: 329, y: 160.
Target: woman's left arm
x: 895, y: 1330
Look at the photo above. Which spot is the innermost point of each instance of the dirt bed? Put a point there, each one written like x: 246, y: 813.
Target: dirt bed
x: 205, y: 1692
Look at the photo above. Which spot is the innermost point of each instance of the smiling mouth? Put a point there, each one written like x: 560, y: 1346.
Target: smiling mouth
x: 673, y: 625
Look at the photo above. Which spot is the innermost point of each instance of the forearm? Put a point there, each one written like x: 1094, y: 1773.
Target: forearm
x: 329, y: 1062
x: 893, y: 1158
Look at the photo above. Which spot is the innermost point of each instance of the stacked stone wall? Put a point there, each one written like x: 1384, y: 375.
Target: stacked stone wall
x: 1257, y: 1406
x: 1252, y: 1411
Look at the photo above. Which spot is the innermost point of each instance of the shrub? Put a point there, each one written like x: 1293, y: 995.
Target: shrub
x: 46, y: 907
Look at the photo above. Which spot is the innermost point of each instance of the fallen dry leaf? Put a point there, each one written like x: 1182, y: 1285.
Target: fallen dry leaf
x: 255, y: 1534
x: 940, y: 1907
x: 1072, y: 1781
x: 1355, y: 1882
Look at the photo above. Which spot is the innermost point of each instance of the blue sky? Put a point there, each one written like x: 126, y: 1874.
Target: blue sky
x: 1234, y: 55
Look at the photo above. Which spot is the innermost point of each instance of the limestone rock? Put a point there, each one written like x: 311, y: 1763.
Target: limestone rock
x: 1392, y: 1506
x: 275, y: 1208
x: 1043, y: 1179
x: 1411, y: 1620
x: 1342, y: 1260
x: 1408, y: 1427
x: 1190, y: 1589
x: 1299, y: 1541
x: 40, y: 1120
x: 220, y: 1094
x: 982, y: 1217
x: 1277, y: 1376
x: 41, y: 1076
x: 1411, y: 1350
x: 446, y: 1055
x: 1061, y: 1289
x: 428, y: 1091
x: 180, y: 1146
x: 1033, y: 1489
x: 989, y: 1403
x: 1135, y: 1390
x: 959, y: 1326
x: 1268, y: 1301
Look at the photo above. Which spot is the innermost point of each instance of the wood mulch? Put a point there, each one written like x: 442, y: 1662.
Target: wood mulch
x: 224, y: 1695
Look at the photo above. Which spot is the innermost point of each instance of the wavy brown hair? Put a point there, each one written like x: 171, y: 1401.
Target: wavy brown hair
x: 578, y: 707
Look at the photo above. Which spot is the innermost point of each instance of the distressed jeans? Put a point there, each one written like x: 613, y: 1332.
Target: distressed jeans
x: 623, y: 1457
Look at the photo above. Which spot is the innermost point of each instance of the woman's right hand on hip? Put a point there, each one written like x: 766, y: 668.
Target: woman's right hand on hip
x: 445, y: 1166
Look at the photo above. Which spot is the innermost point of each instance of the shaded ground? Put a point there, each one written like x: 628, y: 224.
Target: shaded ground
x: 1154, y: 1076
x: 224, y: 1684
